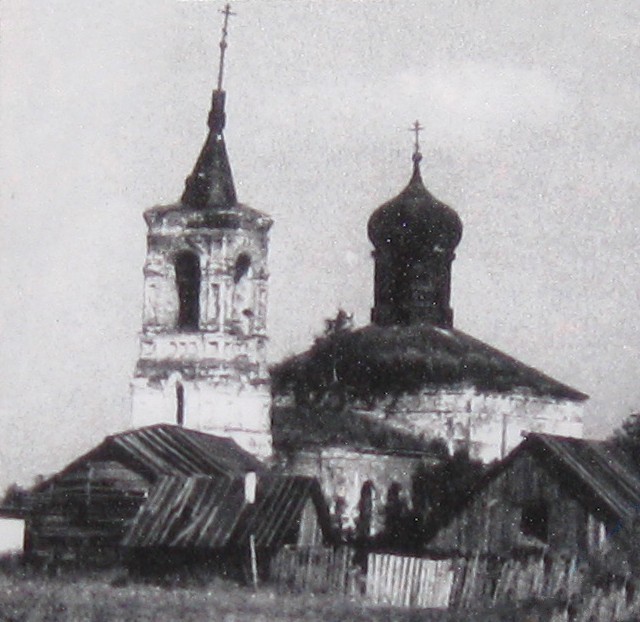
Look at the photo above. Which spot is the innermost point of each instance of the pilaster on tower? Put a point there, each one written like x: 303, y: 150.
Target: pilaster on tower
x: 202, y: 360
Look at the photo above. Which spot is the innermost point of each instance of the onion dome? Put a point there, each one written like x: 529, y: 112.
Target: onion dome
x: 415, y: 220
x: 415, y: 236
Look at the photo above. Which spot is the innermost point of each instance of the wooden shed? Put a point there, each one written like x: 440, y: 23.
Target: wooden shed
x: 81, y: 514
x: 221, y: 524
x: 550, y: 494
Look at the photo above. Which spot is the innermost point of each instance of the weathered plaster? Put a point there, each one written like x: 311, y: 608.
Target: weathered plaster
x: 343, y: 472
x: 220, y: 366
x: 489, y: 424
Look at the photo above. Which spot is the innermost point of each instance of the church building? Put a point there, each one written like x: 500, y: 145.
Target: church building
x: 360, y: 410
x: 202, y: 360
x: 408, y: 375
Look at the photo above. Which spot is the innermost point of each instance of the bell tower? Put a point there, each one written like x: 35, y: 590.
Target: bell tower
x: 202, y: 361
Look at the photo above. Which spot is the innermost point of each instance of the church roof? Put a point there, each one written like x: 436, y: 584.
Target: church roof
x: 376, y: 361
x: 210, y: 185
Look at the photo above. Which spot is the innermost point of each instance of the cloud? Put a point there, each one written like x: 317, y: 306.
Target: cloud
x: 478, y: 99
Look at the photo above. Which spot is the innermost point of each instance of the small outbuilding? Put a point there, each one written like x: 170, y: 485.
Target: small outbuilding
x: 550, y: 494
x: 231, y: 526
x: 81, y: 514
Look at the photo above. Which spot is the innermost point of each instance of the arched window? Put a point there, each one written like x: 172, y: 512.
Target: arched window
x: 179, y: 404
x: 187, y: 267
x: 395, y: 512
x: 364, y: 525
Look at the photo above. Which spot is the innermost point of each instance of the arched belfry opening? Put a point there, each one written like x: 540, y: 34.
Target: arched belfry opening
x: 187, y: 265
x: 241, y: 268
x: 202, y: 362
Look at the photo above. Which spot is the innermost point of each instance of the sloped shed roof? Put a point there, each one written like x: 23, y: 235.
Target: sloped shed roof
x: 599, y: 469
x: 299, y: 428
x: 202, y: 512
x: 168, y: 449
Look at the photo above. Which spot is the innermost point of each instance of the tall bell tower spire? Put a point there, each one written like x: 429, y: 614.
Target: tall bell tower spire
x: 211, y: 182
x: 202, y: 359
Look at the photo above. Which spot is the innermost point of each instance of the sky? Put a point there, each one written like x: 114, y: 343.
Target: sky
x: 531, y: 121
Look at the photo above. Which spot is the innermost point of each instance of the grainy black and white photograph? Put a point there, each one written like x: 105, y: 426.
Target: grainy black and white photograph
x: 320, y: 310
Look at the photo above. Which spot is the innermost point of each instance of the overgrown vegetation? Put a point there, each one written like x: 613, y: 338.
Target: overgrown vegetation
x: 627, y: 436
x: 438, y: 490
x: 376, y: 362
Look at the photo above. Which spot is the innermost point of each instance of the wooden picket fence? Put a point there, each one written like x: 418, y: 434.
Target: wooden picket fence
x: 602, y: 605
x: 408, y: 581
x: 536, y: 578
x: 314, y: 569
x: 398, y: 581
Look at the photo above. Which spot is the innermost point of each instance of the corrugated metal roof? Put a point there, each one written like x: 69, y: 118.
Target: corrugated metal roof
x: 203, y: 512
x: 602, y: 467
x: 193, y: 511
x: 146, y: 454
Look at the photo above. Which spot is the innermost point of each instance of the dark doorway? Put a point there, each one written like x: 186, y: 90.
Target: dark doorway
x: 179, y: 404
x: 187, y: 267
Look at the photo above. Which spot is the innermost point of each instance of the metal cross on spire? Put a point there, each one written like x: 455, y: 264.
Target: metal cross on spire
x: 223, y: 42
x: 416, y: 128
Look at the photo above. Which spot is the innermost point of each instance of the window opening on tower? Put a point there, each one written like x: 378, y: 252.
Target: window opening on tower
x: 243, y: 263
x: 187, y: 267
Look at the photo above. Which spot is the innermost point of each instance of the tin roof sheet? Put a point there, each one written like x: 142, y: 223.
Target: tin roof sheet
x: 203, y: 512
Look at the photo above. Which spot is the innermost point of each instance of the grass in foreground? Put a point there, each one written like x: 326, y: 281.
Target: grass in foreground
x: 34, y: 598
